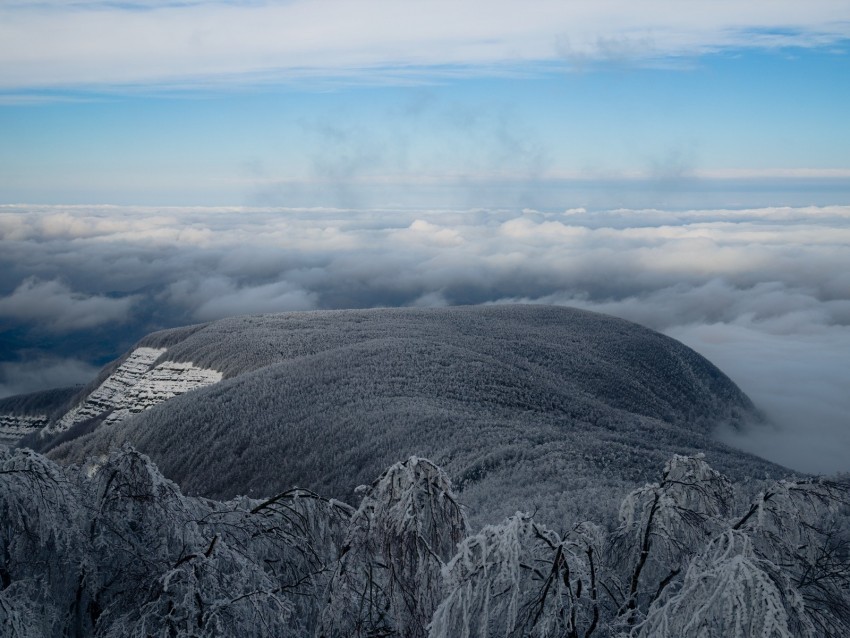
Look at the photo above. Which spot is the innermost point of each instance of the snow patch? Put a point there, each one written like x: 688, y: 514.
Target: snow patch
x: 14, y: 427
x: 137, y: 386
x: 110, y: 393
x: 163, y: 382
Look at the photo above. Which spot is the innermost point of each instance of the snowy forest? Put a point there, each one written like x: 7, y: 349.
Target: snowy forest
x: 540, y: 408
x: 112, y: 548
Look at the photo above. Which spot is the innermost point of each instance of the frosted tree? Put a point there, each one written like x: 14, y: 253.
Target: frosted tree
x: 138, y: 525
x: 207, y: 568
x: 113, y: 548
x: 728, y: 592
x: 521, y: 579
x: 804, y: 526
x: 41, y: 548
x: 29, y: 609
x: 388, y: 581
x: 217, y: 592
x: 663, y: 523
x: 296, y: 536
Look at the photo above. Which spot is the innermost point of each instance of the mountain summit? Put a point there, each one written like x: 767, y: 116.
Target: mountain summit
x: 556, y: 407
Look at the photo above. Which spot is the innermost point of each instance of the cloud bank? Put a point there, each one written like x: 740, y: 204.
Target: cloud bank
x: 43, y: 374
x: 60, y: 44
x: 764, y: 293
x: 53, y: 306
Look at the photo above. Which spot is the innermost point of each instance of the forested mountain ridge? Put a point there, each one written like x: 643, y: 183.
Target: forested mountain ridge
x: 550, y: 406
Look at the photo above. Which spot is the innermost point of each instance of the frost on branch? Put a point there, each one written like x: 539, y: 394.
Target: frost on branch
x: 211, y: 594
x: 388, y: 580
x: 28, y: 609
x: 728, y: 592
x: 521, y: 579
x: 297, y: 535
x: 40, y: 546
x: 804, y: 526
x: 213, y: 568
x: 662, y: 524
x: 114, y: 549
x: 137, y: 523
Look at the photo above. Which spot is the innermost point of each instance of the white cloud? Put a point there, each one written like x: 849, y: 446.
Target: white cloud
x: 421, y: 231
x: 216, y: 297
x: 54, y: 306
x: 62, y: 44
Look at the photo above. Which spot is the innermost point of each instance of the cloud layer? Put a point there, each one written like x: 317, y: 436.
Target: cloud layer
x: 42, y: 374
x: 60, y: 44
x: 53, y: 306
x: 765, y: 293
x: 801, y: 380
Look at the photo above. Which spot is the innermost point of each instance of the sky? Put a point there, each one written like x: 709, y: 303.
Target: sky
x: 682, y: 164
x: 375, y: 103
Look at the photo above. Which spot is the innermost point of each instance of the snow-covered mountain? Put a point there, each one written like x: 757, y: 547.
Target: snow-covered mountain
x: 27, y: 414
x: 554, y: 521
x: 14, y: 427
x: 558, y: 407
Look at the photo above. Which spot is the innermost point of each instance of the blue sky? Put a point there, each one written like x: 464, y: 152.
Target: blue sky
x: 375, y: 103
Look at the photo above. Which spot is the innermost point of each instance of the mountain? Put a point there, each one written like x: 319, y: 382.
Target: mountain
x: 26, y: 414
x: 553, y: 408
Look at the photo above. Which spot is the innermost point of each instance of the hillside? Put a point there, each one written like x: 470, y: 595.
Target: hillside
x: 26, y: 414
x: 525, y: 406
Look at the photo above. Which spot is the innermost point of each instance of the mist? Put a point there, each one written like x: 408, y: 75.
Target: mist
x: 801, y: 381
x: 764, y: 293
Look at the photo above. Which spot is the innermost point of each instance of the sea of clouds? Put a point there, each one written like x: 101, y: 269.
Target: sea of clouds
x: 764, y: 293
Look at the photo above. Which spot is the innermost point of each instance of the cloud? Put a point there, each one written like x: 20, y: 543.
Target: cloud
x: 800, y: 380
x: 60, y: 44
x: 43, y: 374
x: 218, y: 297
x: 771, y: 307
x: 55, y: 307
x: 763, y: 292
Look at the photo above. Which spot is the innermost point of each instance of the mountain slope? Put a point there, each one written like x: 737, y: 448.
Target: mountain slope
x: 26, y: 414
x: 550, y: 406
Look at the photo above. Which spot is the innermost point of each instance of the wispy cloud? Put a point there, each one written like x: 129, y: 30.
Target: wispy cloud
x: 61, y: 44
x: 614, y: 177
x: 34, y: 99
x: 774, y: 173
